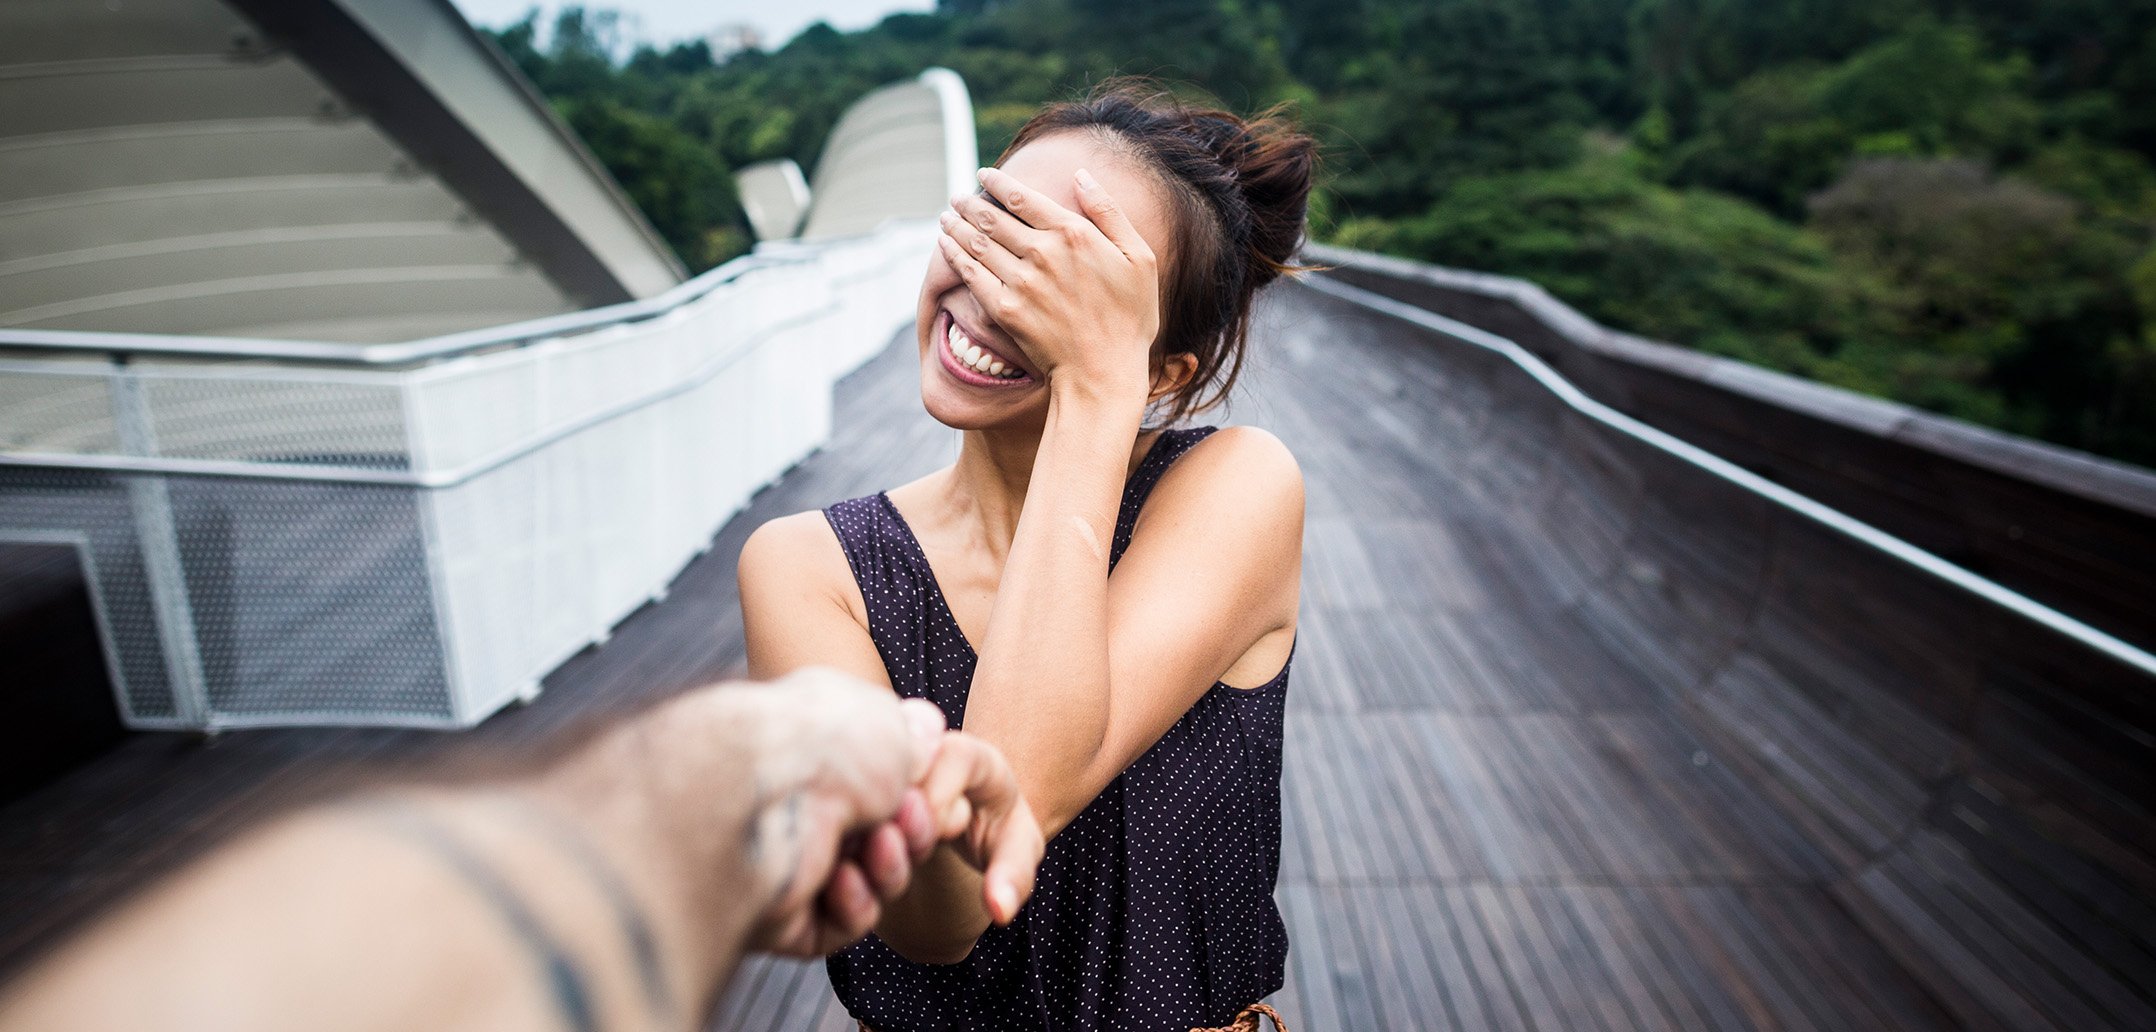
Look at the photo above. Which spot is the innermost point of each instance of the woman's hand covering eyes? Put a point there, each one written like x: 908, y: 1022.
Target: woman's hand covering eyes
x: 1078, y: 292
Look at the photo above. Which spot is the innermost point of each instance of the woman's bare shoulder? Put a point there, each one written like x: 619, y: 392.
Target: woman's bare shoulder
x: 1244, y: 467
x: 796, y: 554
x: 1243, y: 483
x: 799, y: 604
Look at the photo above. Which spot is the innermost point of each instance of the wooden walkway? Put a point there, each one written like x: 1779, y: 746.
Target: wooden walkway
x: 1494, y: 822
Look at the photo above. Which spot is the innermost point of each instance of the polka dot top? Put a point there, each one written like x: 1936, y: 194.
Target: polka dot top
x: 1154, y: 909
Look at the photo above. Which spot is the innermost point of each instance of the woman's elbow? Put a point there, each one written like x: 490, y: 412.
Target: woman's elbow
x: 1058, y: 802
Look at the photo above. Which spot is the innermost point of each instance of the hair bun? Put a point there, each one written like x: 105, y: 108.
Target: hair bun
x: 1273, y: 164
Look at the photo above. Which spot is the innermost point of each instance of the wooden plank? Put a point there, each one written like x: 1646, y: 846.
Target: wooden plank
x: 1505, y: 848
x: 1954, y: 975
x: 1600, y: 995
x: 1867, y: 976
x: 1311, y: 946
x: 1473, y: 1001
x: 1550, y: 996
x: 1505, y: 993
x: 1646, y: 989
x: 1691, y: 980
x: 1399, y: 990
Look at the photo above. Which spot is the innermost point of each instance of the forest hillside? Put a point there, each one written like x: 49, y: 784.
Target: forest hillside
x: 1951, y: 203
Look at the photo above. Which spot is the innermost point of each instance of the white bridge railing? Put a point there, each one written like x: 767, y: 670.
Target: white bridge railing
x: 280, y: 532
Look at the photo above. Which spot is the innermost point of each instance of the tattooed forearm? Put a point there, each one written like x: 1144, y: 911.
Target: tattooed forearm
x: 565, y: 979
x: 774, y: 842
x: 635, y: 928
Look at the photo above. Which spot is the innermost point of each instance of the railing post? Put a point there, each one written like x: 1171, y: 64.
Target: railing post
x: 158, y: 538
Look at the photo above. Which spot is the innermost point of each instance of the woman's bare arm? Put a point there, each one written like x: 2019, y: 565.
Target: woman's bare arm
x: 797, y: 610
x: 797, y: 607
x: 1080, y: 673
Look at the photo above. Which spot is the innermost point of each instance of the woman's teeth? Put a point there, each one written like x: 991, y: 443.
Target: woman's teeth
x: 970, y: 355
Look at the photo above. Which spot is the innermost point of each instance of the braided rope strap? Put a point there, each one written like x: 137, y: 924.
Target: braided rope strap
x: 1247, y: 1021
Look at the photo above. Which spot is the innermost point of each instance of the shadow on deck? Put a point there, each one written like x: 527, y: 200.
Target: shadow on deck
x: 1566, y: 748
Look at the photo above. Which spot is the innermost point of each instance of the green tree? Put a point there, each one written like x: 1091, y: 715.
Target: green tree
x: 1711, y: 172
x: 2015, y: 299
x: 1681, y: 265
x: 1929, y: 91
x: 681, y: 186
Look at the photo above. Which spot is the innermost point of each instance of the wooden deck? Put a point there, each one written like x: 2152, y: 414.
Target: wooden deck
x: 1496, y: 820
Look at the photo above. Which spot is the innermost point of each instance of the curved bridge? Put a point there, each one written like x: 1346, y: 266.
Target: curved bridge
x: 1585, y: 731
x: 1591, y: 728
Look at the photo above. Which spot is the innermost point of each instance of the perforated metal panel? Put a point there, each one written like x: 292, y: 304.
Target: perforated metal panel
x: 275, y: 417
x: 281, y: 542
x: 62, y: 407
x: 97, y: 506
x: 310, y: 600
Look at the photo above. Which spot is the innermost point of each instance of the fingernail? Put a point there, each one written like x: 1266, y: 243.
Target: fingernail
x: 1085, y: 180
x: 957, y: 199
x: 981, y: 174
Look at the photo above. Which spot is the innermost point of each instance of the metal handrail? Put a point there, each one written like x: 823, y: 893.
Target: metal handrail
x: 326, y: 473
x: 1833, y: 519
x: 425, y: 349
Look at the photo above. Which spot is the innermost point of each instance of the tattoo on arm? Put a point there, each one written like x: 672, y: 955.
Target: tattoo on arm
x: 643, y: 946
x: 775, y: 837
x: 565, y: 980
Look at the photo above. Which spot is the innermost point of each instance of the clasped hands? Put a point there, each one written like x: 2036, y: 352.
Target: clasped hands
x: 855, y: 787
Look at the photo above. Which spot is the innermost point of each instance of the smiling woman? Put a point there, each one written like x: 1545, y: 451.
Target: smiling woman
x: 1111, y: 603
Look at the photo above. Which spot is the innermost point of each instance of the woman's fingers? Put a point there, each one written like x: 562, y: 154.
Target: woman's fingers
x: 1014, y: 860
x: 886, y: 861
x: 1006, y: 267
x: 993, y: 295
x: 969, y: 777
x: 916, y: 823
x: 850, y: 906
x: 1024, y: 203
x: 1100, y: 207
x: 998, y: 225
x: 926, y: 724
x: 978, y: 800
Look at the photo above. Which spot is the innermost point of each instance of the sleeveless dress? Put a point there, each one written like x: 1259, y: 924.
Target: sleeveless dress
x: 1154, y: 909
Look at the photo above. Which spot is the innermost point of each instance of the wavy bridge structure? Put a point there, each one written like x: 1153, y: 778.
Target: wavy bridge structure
x: 345, y: 402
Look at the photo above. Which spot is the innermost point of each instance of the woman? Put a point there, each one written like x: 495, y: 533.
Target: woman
x: 1110, y: 603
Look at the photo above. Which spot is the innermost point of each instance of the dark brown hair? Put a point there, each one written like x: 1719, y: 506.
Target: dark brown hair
x: 1239, y: 191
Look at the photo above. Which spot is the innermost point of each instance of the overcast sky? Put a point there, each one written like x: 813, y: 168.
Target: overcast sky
x: 665, y: 21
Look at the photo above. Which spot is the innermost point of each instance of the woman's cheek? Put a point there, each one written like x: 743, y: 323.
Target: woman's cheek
x: 941, y: 277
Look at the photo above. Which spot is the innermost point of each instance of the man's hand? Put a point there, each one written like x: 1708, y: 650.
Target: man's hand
x: 615, y: 886
x: 854, y: 787
x: 835, y: 827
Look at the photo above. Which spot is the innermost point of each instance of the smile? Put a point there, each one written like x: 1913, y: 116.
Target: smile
x: 970, y: 363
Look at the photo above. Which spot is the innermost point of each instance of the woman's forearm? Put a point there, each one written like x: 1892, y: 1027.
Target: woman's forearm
x: 941, y: 914
x: 1040, y: 688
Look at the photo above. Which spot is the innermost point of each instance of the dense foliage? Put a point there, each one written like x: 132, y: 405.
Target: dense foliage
x: 1947, y: 202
